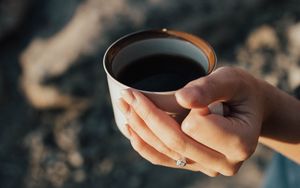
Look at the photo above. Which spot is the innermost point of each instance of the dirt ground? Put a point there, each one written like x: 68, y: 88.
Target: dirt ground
x: 57, y: 126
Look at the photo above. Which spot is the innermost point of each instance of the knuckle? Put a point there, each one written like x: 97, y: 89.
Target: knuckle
x: 202, y: 92
x: 232, y: 169
x: 242, y: 149
x: 226, y: 167
x: 229, y: 172
x: 212, y: 174
x: 187, y: 127
x: 230, y: 71
x: 244, y: 153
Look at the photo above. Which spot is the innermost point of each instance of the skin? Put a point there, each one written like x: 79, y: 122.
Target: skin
x: 214, y: 144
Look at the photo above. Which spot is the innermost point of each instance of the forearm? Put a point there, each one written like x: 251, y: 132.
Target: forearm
x: 290, y: 150
x: 281, y: 125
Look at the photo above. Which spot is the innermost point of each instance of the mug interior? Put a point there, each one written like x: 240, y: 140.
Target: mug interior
x: 147, y: 43
x: 148, y: 47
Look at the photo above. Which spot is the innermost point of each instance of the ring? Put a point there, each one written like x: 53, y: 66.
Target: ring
x: 181, y: 162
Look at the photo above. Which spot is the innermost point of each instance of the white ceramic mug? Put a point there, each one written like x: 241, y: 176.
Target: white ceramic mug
x: 151, y: 42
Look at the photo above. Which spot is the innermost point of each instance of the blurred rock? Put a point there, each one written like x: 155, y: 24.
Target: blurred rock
x: 272, y: 79
x: 47, y: 58
x: 57, y: 173
x: 37, y: 153
x: 11, y: 14
x: 294, y: 76
x: 293, y: 33
x: 53, y: 56
x: 75, y: 159
x: 264, y: 36
x: 266, y: 57
x: 66, y: 137
x: 46, y: 165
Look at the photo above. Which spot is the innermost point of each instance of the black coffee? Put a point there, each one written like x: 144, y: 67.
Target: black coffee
x: 160, y: 72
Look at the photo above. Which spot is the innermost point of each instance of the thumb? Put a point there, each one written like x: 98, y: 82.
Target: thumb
x: 221, y: 85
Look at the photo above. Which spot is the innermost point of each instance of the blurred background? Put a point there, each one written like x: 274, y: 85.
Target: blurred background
x: 57, y: 126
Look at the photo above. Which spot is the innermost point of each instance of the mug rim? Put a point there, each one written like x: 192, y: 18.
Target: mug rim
x: 198, y: 42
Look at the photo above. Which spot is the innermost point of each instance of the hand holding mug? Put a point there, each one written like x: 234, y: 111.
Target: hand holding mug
x: 180, y: 127
x: 211, y: 143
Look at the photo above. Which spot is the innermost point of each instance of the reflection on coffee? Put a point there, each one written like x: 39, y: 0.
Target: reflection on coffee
x: 160, y: 72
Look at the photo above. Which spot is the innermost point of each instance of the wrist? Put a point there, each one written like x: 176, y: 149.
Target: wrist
x: 280, y: 117
x: 269, y: 94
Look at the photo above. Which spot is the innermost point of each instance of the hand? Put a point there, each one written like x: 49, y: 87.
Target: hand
x: 211, y: 143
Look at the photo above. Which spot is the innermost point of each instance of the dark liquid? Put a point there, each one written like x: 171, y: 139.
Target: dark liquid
x: 161, y: 72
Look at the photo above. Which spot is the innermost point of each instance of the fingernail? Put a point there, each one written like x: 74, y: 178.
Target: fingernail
x: 127, y: 95
x: 186, y: 97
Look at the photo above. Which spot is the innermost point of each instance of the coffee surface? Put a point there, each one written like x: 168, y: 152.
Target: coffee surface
x: 161, y: 72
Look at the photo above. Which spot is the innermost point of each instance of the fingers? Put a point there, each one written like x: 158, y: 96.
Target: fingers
x: 216, y: 130
x: 221, y: 85
x: 157, y: 158
x: 138, y: 125
x: 168, y: 131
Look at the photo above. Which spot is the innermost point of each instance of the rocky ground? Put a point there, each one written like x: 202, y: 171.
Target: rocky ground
x: 57, y: 127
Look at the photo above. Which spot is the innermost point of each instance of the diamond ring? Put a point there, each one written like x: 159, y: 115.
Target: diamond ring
x: 181, y: 162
